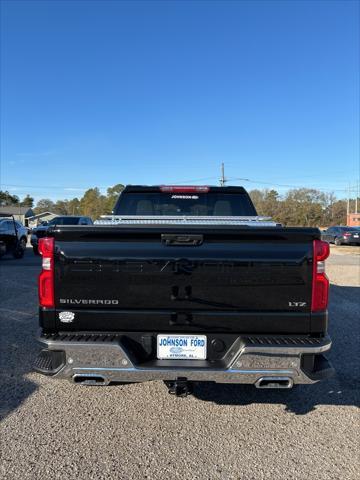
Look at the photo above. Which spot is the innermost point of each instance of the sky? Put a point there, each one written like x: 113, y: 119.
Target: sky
x: 95, y: 93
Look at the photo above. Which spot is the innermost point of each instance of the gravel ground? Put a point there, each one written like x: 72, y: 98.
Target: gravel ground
x: 53, y: 429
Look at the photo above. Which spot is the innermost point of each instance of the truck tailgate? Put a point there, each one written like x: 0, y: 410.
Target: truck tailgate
x: 168, y: 278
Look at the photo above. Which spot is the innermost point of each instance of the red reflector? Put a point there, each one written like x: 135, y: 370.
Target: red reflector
x: 46, y: 246
x: 321, y: 251
x: 46, y: 277
x: 320, y: 296
x: 320, y: 285
x: 46, y: 289
x: 184, y: 189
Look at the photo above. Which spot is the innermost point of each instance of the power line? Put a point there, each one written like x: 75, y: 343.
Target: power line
x: 44, y: 186
x: 179, y: 182
x: 98, y: 186
x: 223, y: 181
x: 286, y: 185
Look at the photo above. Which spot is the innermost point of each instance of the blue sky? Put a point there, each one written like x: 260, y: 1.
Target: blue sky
x: 96, y: 93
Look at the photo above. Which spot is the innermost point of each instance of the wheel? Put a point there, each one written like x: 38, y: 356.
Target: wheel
x: 23, y: 242
x: 20, y: 249
x: 337, y: 241
x: 36, y: 250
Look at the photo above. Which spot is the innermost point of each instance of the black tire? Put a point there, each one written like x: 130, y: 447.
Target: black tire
x: 20, y: 249
x: 337, y: 241
x: 36, y: 250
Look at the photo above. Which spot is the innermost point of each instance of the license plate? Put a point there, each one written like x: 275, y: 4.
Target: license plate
x: 356, y: 236
x: 186, y: 347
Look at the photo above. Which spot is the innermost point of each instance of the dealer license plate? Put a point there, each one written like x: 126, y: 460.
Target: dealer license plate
x: 185, y: 347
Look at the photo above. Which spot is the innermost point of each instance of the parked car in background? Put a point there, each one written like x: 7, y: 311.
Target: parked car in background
x: 42, y: 229
x: 342, y: 235
x: 13, y: 237
x: 23, y: 231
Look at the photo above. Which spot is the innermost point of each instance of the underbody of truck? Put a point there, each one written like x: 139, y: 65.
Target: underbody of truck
x: 132, y: 300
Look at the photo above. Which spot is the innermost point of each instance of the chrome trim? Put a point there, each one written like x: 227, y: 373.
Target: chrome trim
x: 86, y: 379
x: 250, y: 363
x: 275, y: 380
x: 143, y: 375
x: 255, y: 221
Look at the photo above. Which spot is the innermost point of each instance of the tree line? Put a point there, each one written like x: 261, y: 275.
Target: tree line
x: 301, y: 207
x: 298, y: 207
x: 93, y: 203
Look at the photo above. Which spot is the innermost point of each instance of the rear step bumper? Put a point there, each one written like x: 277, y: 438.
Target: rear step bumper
x: 265, y: 361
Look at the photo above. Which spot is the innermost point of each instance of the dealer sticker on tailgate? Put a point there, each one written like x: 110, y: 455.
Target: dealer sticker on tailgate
x: 186, y: 347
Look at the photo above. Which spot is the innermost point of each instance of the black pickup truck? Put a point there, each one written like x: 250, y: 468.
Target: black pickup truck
x: 184, y: 284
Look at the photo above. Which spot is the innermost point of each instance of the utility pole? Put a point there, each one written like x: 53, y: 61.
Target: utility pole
x: 348, y: 204
x: 356, y: 197
x: 222, y: 178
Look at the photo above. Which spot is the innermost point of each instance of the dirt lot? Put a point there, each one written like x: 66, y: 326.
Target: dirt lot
x: 53, y: 429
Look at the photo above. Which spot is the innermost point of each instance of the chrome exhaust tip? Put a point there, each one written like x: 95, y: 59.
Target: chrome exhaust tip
x: 89, y: 379
x: 274, y: 382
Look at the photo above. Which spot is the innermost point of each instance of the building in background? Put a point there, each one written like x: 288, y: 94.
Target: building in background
x: 353, y: 220
x: 20, y: 213
x: 35, y: 220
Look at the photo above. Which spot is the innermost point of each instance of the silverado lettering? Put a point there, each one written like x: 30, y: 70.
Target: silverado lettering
x: 86, y: 301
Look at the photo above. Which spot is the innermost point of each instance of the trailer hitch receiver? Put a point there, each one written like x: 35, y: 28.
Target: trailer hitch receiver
x: 180, y: 387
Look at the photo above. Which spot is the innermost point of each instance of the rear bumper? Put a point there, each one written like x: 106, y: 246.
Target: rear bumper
x: 102, y: 359
x: 350, y: 241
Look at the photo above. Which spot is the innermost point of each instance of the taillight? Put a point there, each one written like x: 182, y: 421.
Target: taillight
x: 320, y: 285
x: 46, y: 277
x: 347, y: 234
x: 184, y: 189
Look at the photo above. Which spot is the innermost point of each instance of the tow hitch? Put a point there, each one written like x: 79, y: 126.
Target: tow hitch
x: 180, y: 387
